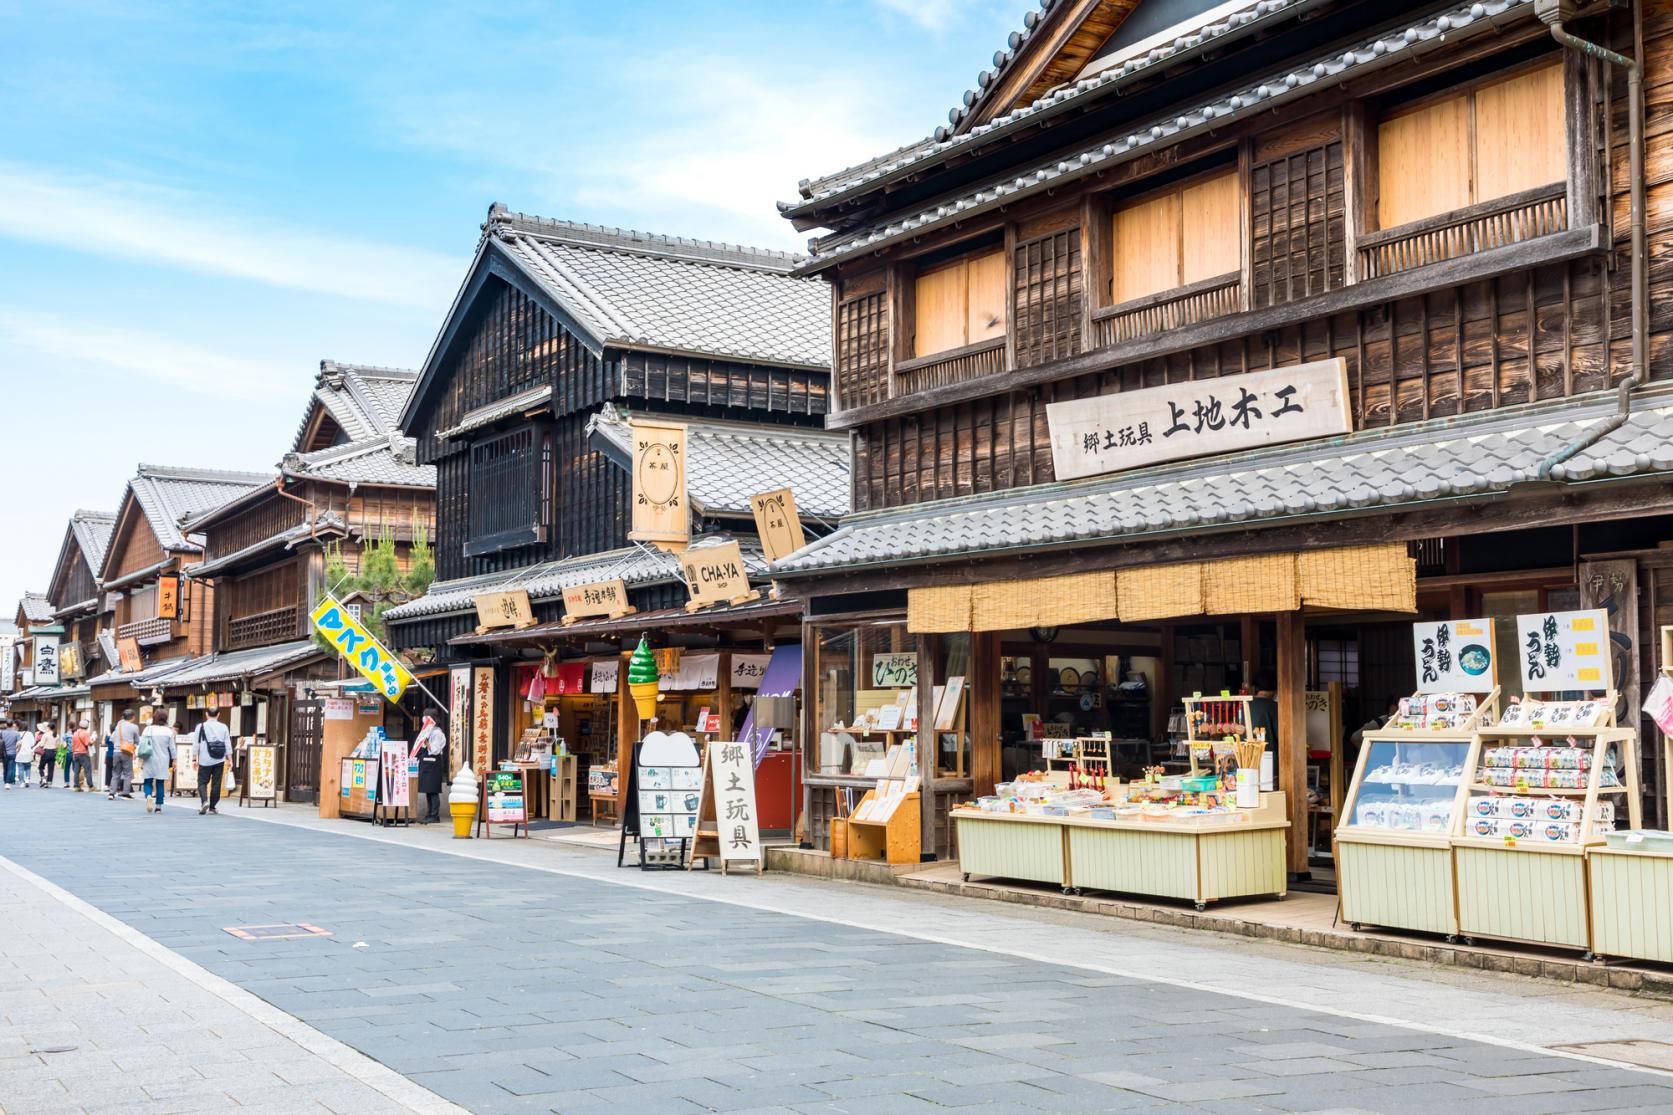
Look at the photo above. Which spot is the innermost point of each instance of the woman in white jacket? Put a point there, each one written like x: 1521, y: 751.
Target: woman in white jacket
x: 156, y: 752
x: 26, y: 755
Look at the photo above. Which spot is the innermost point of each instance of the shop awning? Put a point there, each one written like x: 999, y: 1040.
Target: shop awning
x: 138, y: 678
x: 721, y: 615
x: 1364, y: 578
x: 233, y: 665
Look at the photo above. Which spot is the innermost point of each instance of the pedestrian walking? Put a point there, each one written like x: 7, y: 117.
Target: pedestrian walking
x: 46, y: 747
x: 211, y: 743
x: 110, y: 756
x: 25, y: 759
x: 127, y: 742
x: 156, y: 751
x: 8, y: 752
x: 80, y: 760
x: 64, y: 754
x: 430, y: 748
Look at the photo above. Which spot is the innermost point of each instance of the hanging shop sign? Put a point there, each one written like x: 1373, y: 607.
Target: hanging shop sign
x: 896, y: 669
x: 8, y: 668
x: 168, y: 596
x: 1564, y: 650
x: 1198, y: 418
x: 70, y: 664
x: 777, y: 522
x: 458, y: 714
x: 1455, y: 656
x: 659, y: 507
x: 128, y: 655
x: 263, y: 771
x: 715, y: 575
x: 370, y: 658
x: 482, y: 719
x: 749, y: 669
x: 600, y: 598
x: 606, y: 675
x: 46, y: 659
x: 503, y: 609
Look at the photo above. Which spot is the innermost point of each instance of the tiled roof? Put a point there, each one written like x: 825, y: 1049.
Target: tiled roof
x: 36, y: 607
x: 147, y: 676
x: 384, y: 459
x: 487, y: 415
x: 1261, y: 94
x: 329, y: 523
x: 230, y: 665
x: 365, y: 401
x: 635, y: 565
x: 92, y: 530
x: 727, y: 462
x: 167, y: 495
x: 633, y: 289
x: 1433, y: 462
x: 762, y: 607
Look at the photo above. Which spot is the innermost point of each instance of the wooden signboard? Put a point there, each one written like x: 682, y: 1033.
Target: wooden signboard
x: 168, y: 596
x: 777, y: 522
x: 715, y: 575
x: 482, y: 718
x: 600, y: 598
x: 728, y: 829
x: 69, y: 661
x: 503, y: 609
x: 503, y: 803
x: 261, y: 779
x: 458, y: 715
x: 659, y: 501
x: 1196, y: 418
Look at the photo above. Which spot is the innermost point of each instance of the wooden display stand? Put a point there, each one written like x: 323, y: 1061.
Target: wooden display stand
x: 1087, y: 754
x: 896, y: 839
x: 1205, y: 709
x: 338, y: 739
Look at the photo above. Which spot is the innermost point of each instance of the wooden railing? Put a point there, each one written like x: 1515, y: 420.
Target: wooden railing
x: 953, y: 366
x: 1491, y: 224
x: 262, y: 628
x: 147, y: 632
x: 1168, y: 309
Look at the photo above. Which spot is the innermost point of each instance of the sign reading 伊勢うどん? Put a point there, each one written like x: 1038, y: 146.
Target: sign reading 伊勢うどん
x: 1564, y: 651
x: 1454, y: 656
x: 1130, y: 429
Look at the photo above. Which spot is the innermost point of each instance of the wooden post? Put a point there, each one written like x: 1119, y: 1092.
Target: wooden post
x: 1292, y: 731
x: 982, y: 692
x: 723, y: 695
x: 928, y: 645
x: 627, y: 734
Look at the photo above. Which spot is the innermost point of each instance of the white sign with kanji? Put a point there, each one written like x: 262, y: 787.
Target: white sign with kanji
x: 1454, y: 656
x: 732, y: 774
x: 1564, y: 651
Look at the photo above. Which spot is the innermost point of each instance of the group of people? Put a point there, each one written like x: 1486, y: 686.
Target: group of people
x: 26, y: 751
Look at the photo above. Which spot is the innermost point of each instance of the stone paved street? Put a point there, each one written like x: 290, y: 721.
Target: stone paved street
x: 525, y: 978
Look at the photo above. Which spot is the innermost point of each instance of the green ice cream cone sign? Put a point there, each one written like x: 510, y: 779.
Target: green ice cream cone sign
x: 642, y: 679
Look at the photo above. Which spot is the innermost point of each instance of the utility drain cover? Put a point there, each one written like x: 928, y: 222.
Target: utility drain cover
x: 1638, y: 1051
x: 276, y: 932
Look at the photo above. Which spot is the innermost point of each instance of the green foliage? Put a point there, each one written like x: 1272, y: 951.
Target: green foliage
x: 379, y: 579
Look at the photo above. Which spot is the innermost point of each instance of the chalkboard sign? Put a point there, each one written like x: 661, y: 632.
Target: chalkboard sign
x: 503, y: 803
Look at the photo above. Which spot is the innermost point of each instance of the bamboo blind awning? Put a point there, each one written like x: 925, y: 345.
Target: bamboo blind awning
x: 1369, y: 578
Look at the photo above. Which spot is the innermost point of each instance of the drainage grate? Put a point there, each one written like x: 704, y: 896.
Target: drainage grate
x: 1637, y: 1051
x: 276, y: 932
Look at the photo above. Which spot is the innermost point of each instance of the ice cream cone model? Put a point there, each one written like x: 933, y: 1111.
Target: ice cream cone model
x: 461, y: 802
x: 642, y: 680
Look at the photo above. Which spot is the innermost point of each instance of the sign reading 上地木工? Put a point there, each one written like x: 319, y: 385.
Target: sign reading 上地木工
x: 896, y: 669
x: 777, y: 523
x: 659, y: 507
x: 600, y: 598
x: 1564, y: 650
x: 715, y: 574
x: 1130, y: 429
x: 370, y: 658
x: 732, y: 776
x: 1455, y: 656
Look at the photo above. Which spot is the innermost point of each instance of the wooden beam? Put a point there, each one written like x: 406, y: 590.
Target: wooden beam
x: 1292, y: 731
x: 982, y: 693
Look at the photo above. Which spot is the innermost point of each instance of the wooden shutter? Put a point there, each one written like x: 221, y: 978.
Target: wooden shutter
x: 1146, y: 248
x: 1423, y: 162
x: 1210, y: 237
x: 1520, y: 141
x: 940, y: 299
x: 1297, y: 243
x: 985, y: 312
x: 1047, y: 286
x: 862, y: 351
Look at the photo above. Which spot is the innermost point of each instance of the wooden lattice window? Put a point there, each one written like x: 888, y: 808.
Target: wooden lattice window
x: 1048, y: 291
x: 1297, y: 228
x: 862, y: 351
x: 509, y: 501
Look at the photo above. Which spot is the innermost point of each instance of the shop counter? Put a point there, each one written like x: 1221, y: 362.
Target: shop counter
x: 1631, y: 903
x: 1396, y: 880
x: 1200, y: 861
x: 1523, y: 892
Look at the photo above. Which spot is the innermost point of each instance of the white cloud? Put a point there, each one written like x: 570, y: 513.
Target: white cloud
x: 170, y: 228
x: 157, y: 358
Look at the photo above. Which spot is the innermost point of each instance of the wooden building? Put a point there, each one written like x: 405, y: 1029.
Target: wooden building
x: 348, y: 479
x: 26, y: 699
x: 86, y: 647
x: 1071, y: 324
x: 560, y: 334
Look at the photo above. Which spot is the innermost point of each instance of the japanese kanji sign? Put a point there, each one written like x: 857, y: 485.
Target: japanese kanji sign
x: 46, y: 659
x: 659, y: 507
x: 263, y: 771
x: 458, y: 714
x: 128, y: 655
x: 482, y: 718
x: 777, y: 522
x: 715, y: 574
x: 504, y: 609
x: 1564, y: 650
x: 370, y: 658
x: 1198, y: 418
x: 600, y: 598
x: 894, y: 669
x: 731, y: 775
x: 168, y: 596
x: 1455, y: 656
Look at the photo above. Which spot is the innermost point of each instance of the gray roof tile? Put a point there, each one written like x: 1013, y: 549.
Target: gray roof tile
x: 92, y: 530
x: 167, y: 495
x: 364, y: 400
x: 385, y: 459
x: 36, y: 607
x: 229, y: 665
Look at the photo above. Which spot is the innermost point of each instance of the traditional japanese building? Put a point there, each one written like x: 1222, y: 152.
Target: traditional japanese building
x: 1212, y: 339
x: 33, y: 620
x: 349, y: 481
x: 86, y: 643
x: 562, y: 334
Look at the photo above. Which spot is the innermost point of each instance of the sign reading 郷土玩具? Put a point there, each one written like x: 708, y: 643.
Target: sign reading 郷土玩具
x: 370, y: 658
x: 1198, y: 418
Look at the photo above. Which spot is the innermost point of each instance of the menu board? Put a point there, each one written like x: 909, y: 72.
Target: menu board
x: 505, y: 798
x: 264, y: 782
x: 668, y: 801
x: 1564, y: 651
x: 1454, y: 656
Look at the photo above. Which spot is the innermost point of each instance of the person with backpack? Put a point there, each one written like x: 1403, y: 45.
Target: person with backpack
x: 25, y: 758
x: 155, y: 750
x: 122, y: 763
x: 212, y: 743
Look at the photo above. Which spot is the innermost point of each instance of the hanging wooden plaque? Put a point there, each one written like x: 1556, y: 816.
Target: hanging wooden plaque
x: 777, y: 522
x: 659, y: 499
x: 715, y: 575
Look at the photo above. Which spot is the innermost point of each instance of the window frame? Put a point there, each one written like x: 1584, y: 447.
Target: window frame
x: 538, y: 470
x: 992, y: 239
x: 1101, y: 230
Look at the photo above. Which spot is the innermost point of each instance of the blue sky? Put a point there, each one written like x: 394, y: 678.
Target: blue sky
x: 199, y: 202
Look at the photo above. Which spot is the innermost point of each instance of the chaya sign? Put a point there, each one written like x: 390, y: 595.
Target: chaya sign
x: 1564, y: 650
x: 659, y: 510
x: 371, y: 658
x: 1130, y: 429
x: 1455, y: 656
x: 600, y: 598
x: 715, y: 575
x: 777, y: 522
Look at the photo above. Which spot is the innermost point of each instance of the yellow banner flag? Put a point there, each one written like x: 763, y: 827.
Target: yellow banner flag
x: 371, y: 658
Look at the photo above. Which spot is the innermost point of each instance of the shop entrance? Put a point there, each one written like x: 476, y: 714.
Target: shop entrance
x: 302, y: 750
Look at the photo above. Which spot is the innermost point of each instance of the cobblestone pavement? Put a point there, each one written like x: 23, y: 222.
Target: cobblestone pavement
x: 506, y: 988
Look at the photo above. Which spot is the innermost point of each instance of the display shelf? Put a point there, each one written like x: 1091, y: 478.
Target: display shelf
x: 1536, y: 791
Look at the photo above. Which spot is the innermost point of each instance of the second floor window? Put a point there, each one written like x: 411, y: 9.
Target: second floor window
x: 960, y: 303
x: 1176, y: 237
x: 509, y: 498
